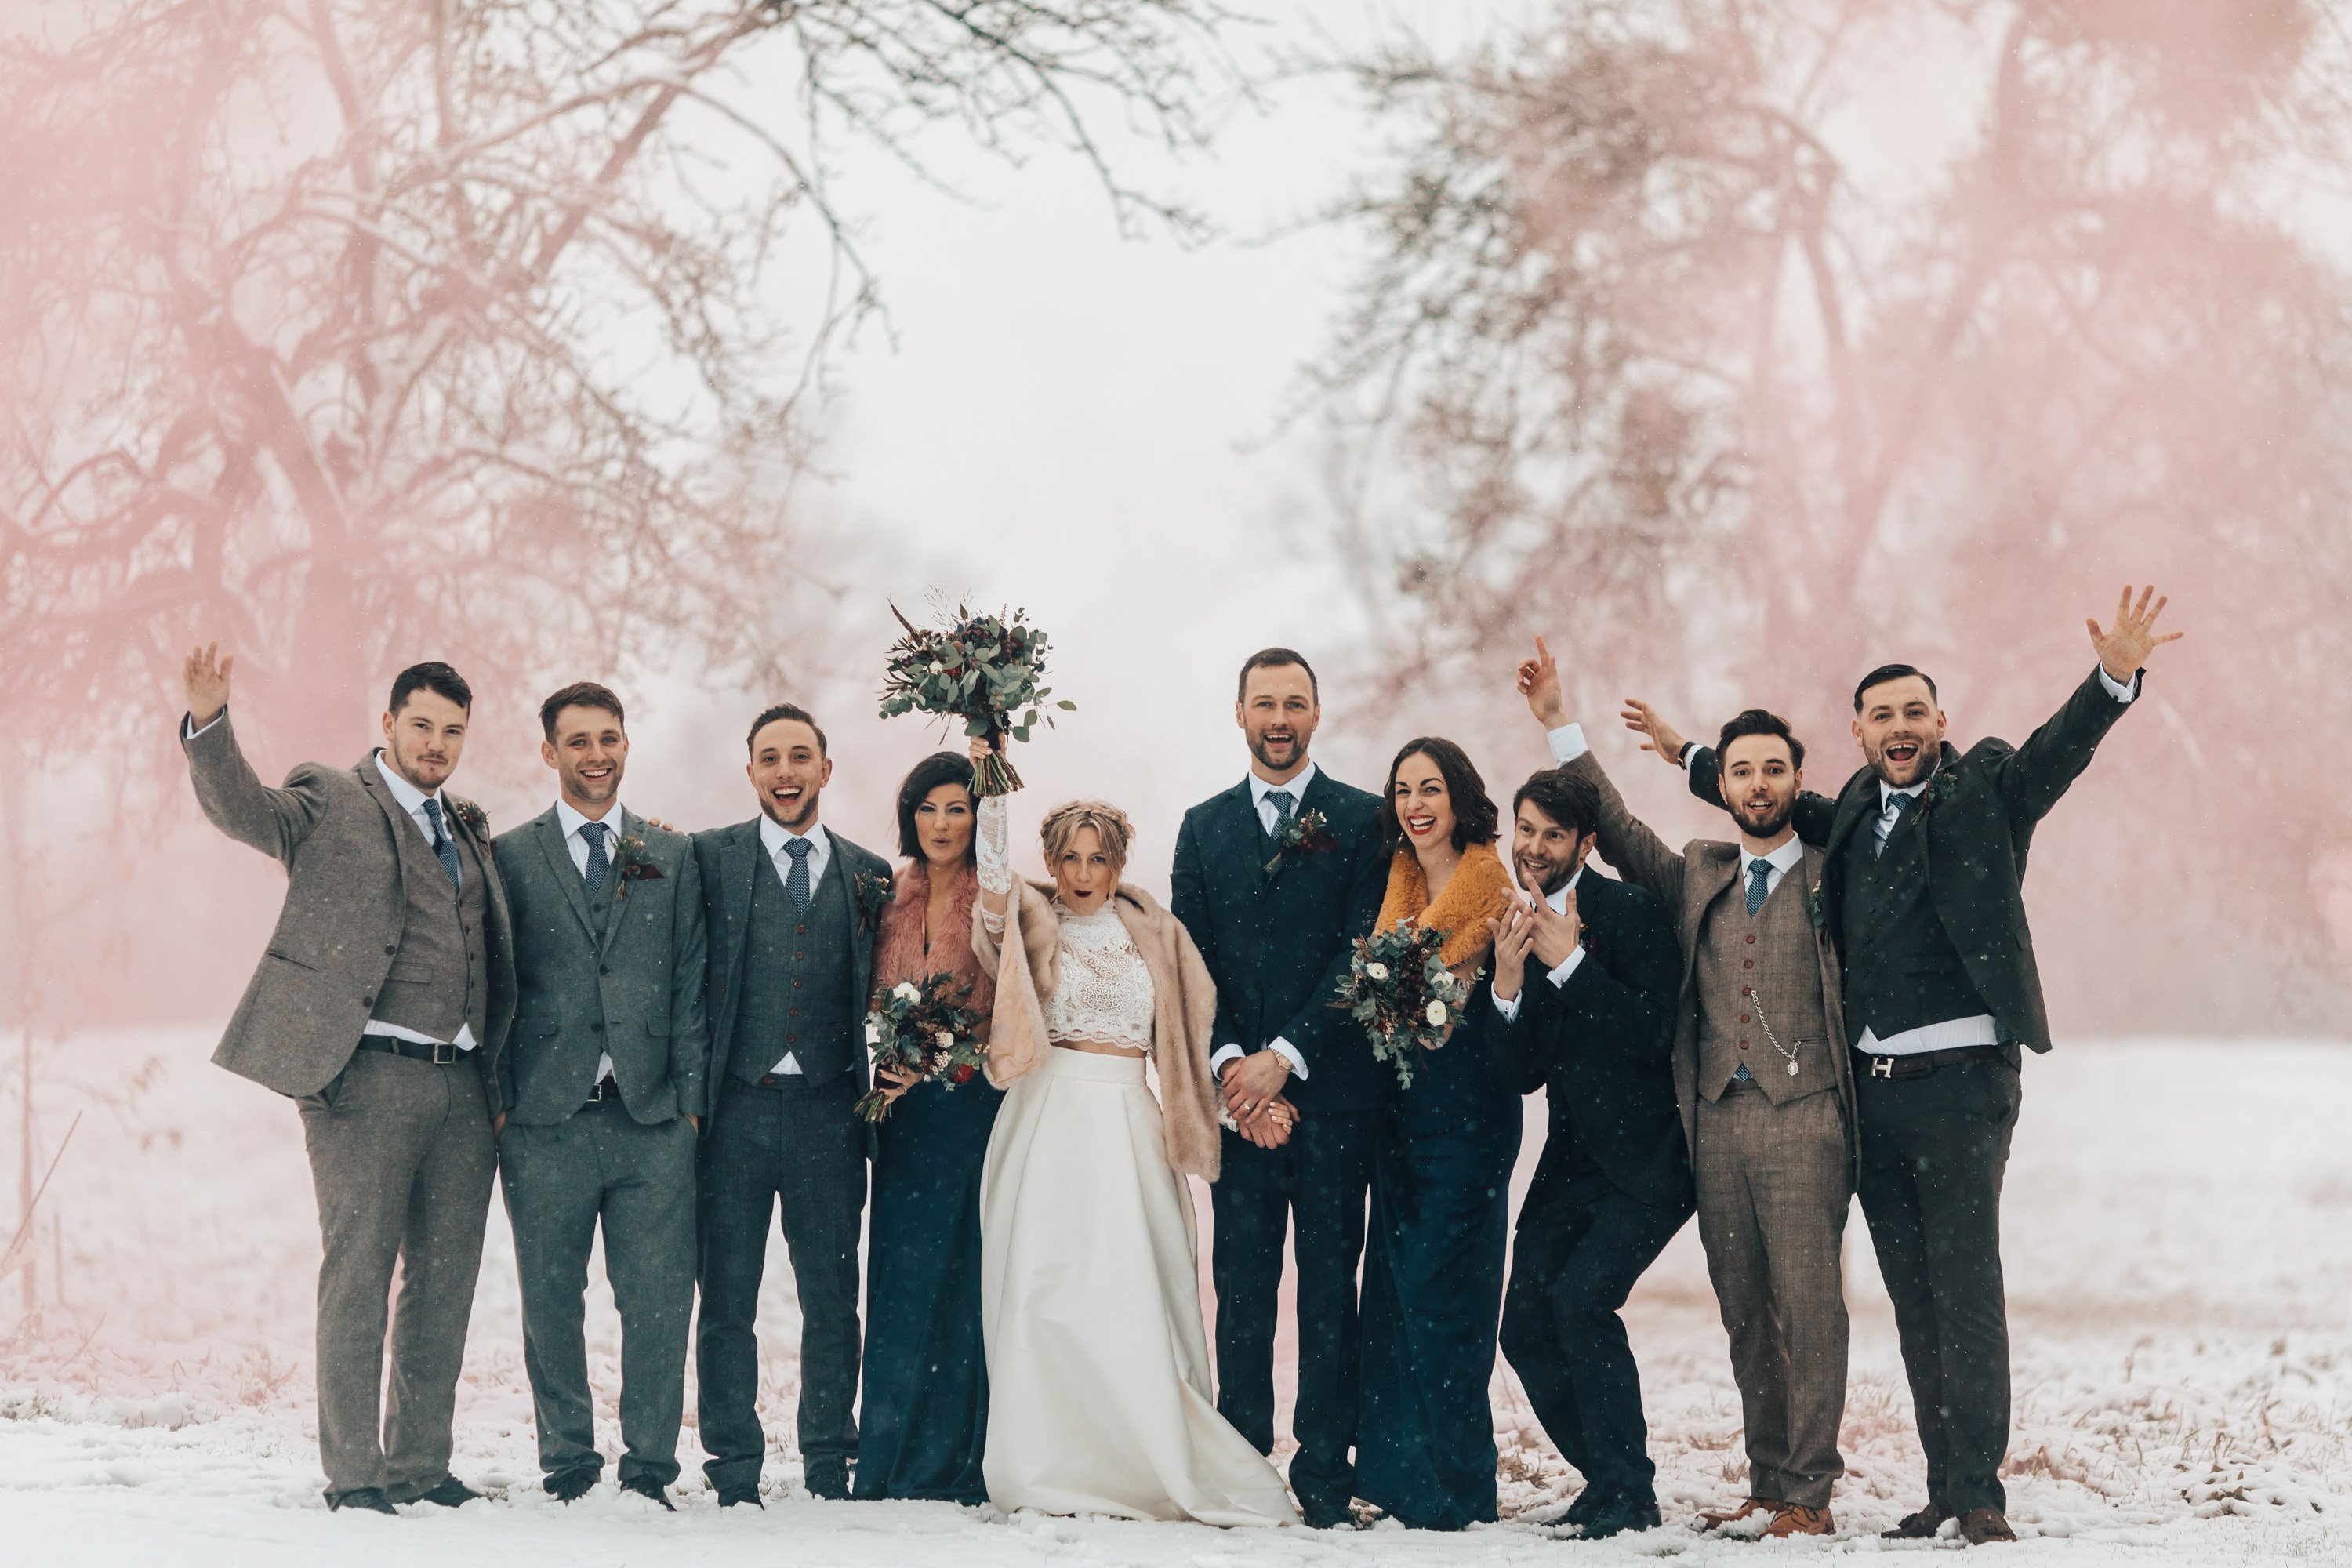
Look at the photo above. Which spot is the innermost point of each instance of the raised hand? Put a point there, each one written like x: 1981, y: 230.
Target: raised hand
x: 1556, y: 935
x: 2122, y: 650
x: 1658, y: 735
x: 1514, y: 935
x: 206, y: 676
x: 1538, y: 682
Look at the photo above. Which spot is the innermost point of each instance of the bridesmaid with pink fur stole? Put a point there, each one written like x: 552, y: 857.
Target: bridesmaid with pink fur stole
x: 925, y: 1413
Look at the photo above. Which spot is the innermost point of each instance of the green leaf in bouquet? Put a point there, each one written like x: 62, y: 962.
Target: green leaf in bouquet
x: 1066, y: 706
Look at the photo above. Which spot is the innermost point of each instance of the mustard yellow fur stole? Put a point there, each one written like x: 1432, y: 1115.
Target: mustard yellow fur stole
x: 1480, y: 891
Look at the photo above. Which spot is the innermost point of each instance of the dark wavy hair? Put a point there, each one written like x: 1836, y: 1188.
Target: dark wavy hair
x: 1570, y: 799
x: 939, y: 768
x: 1476, y: 820
x: 1764, y: 722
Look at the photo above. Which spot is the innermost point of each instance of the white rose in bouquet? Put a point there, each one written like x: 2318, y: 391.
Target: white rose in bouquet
x: 1376, y: 972
x: 907, y: 990
x: 947, y: 1040
x: 1435, y: 1013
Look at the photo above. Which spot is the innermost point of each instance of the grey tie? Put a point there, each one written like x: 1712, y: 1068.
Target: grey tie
x: 1760, y: 874
x: 600, y: 863
x: 1896, y: 811
x: 447, y: 852
x: 1284, y: 804
x: 796, y: 880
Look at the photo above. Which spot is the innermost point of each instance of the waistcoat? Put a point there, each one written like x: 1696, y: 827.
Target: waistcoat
x: 1769, y: 958
x: 798, y: 971
x: 440, y: 978
x: 1902, y: 971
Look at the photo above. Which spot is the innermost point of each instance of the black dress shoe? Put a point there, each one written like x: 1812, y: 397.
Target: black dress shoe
x: 1620, y: 1515
x: 1589, y: 1503
x: 1917, y: 1526
x: 570, y: 1486
x: 367, y: 1500
x: 451, y: 1493
x: 730, y: 1496
x: 646, y: 1487
x: 1329, y: 1516
x: 830, y: 1481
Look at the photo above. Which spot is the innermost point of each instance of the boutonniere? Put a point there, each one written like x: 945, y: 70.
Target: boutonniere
x: 1302, y: 834
x: 1940, y: 784
x: 634, y: 864
x: 1813, y: 902
x: 476, y: 822
x: 874, y: 891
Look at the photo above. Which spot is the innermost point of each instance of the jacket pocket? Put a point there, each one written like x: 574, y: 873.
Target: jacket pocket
x: 658, y: 1030
x: 412, y: 975
x: 284, y: 957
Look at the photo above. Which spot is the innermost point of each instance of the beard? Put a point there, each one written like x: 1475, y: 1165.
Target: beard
x: 796, y: 824
x: 1543, y: 878
x: 1772, y: 823
x: 1920, y: 764
x: 1264, y: 753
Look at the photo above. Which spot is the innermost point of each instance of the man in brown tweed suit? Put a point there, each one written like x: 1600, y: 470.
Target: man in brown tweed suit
x: 1766, y: 1091
x: 380, y: 1009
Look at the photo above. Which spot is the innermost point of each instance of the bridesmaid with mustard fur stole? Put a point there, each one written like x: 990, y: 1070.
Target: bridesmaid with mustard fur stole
x: 925, y: 1414
x: 1442, y: 1178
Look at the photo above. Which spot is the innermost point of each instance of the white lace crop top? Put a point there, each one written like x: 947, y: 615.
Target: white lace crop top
x: 1105, y: 992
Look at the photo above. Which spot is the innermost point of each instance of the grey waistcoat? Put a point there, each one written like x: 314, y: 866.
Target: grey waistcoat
x: 1769, y: 956
x: 798, y: 974
x: 440, y: 978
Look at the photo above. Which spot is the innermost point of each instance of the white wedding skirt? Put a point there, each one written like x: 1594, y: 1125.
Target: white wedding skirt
x: 1098, y: 1393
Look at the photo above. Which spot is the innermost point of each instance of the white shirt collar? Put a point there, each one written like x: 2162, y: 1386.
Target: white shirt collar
x: 775, y: 836
x: 1260, y: 789
x: 1557, y: 897
x: 571, y: 821
x: 1781, y: 860
x: 411, y: 799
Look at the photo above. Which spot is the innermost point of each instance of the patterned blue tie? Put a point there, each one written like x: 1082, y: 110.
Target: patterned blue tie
x: 1760, y: 873
x: 443, y: 848
x: 1897, y: 810
x: 600, y: 862
x: 1284, y: 804
x: 796, y: 880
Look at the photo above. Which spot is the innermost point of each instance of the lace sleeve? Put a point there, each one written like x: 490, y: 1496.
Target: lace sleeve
x: 992, y: 847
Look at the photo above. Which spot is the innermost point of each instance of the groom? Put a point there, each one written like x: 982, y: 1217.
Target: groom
x: 380, y: 1009
x: 1274, y: 879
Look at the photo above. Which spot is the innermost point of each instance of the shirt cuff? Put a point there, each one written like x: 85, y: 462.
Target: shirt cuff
x: 1290, y: 1052
x: 1508, y: 1008
x: 188, y: 730
x: 1566, y: 967
x: 1224, y: 1054
x: 1567, y: 743
x: 2116, y: 688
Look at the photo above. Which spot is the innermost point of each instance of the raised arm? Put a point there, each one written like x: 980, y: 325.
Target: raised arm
x: 274, y: 821
x: 2034, y: 776
x: 1626, y: 841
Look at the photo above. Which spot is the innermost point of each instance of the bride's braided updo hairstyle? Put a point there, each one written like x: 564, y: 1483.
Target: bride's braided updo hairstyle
x: 1109, y: 823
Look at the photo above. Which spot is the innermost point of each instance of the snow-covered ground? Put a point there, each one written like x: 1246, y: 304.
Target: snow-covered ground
x: 2179, y: 1219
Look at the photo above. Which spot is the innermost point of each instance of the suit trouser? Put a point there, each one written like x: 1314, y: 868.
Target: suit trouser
x: 402, y: 1160
x: 602, y: 1163
x: 1772, y: 1201
x: 800, y: 1151
x: 1934, y: 1150
x: 1315, y: 1187
x: 1570, y: 1272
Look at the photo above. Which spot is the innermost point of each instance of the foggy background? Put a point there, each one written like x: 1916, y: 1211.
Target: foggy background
x: 1466, y: 333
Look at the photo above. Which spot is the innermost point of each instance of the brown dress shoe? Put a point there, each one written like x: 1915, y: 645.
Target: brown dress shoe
x: 1917, y: 1526
x: 1748, y: 1509
x: 1984, y: 1526
x: 1796, y: 1519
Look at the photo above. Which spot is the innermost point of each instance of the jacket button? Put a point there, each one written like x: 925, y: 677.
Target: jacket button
x: 607, y: 969
x: 367, y: 1001
x: 800, y: 958
x: 595, y: 1028
x: 800, y: 931
x: 796, y: 1011
x: 1748, y: 991
x: 1743, y: 1045
x: 390, y: 948
x: 796, y: 985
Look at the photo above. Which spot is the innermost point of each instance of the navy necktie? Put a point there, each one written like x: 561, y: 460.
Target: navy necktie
x: 442, y: 846
x: 600, y: 862
x: 1284, y: 804
x: 796, y: 880
x: 1900, y: 809
x: 1760, y: 874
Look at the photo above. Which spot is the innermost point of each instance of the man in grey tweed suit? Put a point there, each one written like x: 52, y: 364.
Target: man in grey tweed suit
x: 792, y: 908
x: 380, y: 1007
x: 1766, y: 1092
x: 602, y: 1091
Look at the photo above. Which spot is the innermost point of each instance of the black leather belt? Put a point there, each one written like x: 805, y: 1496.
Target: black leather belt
x: 1919, y: 1064
x: 432, y: 1051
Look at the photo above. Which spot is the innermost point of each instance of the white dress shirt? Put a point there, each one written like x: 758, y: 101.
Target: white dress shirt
x: 775, y: 836
x: 1270, y: 818
x: 1782, y: 861
x: 412, y: 801
x: 572, y: 822
x: 1558, y: 900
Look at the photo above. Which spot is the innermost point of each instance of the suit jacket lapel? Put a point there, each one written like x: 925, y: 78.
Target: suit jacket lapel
x: 548, y: 835
x: 1853, y: 810
x: 1243, y: 835
x: 1707, y: 877
x: 395, y: 819
x: 629, y: 829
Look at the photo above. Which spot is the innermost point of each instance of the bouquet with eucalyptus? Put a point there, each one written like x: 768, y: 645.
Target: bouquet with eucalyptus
x: 1398, y: 988
x: 987, y: 670
x: 926, y: 1029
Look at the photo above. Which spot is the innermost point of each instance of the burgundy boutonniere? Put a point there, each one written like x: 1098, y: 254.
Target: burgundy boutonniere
x: 874, y: 892
x: 476, y: 820
x: 1302, y: 834
x: 1813, y: 902
x: 634, y: 865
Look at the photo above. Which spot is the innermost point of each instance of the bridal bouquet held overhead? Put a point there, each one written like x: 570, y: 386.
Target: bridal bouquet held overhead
x: 1398, y: 988
x: 983, y: 670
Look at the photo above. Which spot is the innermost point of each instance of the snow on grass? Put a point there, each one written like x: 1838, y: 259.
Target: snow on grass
x: 2180, y: 1260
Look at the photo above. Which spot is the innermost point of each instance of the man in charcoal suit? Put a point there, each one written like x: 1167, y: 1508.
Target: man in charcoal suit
x: 1274, y: 910
x: 792, y: 908
x: 1923, y: 869
x: 601, y: 1092
x: 380, y: 1007
x: 1593, y: 1028
x: 1765, y: 1090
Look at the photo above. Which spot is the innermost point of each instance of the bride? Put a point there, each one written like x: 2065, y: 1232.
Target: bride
x: 1099, y: 1399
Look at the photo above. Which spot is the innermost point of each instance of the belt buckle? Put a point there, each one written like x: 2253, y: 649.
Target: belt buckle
x: 1882, y: 1067
x: 439, y: 1058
